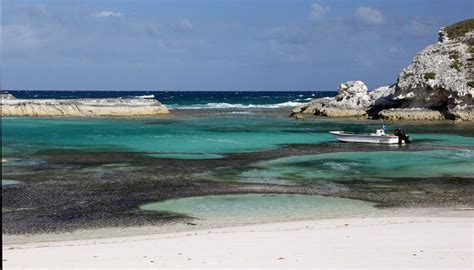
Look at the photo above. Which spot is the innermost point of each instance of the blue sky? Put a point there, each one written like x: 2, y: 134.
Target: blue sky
x: 215, y: 44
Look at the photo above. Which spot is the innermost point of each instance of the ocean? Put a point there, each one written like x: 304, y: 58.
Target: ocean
x: 193, y: 99
x: 219, y: 158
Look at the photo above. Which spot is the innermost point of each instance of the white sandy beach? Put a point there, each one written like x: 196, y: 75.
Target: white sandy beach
x: 395, y: 242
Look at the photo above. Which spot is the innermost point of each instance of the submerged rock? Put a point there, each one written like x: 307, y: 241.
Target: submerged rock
x: 81, y: 107
x: 438, y: 84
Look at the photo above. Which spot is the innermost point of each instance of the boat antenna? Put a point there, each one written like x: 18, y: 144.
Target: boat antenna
x: 383, y: 126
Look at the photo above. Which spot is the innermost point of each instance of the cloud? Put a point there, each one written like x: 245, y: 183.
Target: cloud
x: 107, y: 13
x: 394, y: 50
x: 20, y: 36
x: 418, y: 28
x: 183, y: 25
x: 369, y: 15
x: 318, y: 11
x: 289, y: 44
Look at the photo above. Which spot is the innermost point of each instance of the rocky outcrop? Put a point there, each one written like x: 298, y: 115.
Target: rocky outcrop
x: 438, y: 84
x: 6, y: 96
x: 352, y: 100
x: 441, y: 77
x: 81, y: 107
x: 415, y: 114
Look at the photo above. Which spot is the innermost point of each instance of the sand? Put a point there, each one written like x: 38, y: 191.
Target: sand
x: 381, y: 242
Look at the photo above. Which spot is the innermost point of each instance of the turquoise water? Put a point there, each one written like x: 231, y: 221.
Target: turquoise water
x: 186, y: 137
x: 363, y: 165
x: 255, y: 208
x: 187, y: 156
x: 156, y: 136
x: 202, y: 146
x: 445, y: 139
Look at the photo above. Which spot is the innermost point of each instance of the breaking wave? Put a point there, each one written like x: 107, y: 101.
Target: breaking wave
x: 145, y: 96
x: 239, y: 106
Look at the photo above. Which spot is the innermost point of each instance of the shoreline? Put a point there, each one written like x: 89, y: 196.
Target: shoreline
x: 184, y: 226
x: 362, y: 242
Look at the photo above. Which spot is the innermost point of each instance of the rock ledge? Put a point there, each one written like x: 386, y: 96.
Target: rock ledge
x: 10, y: 106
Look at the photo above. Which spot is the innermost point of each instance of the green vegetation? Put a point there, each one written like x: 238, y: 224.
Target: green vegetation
x: 471, y: 84
x: 470, y: 43
x: 453, y: 55
x: 470, y: 62
x: 429, y: 76
x: 457, y: 65
x: 459, y: 29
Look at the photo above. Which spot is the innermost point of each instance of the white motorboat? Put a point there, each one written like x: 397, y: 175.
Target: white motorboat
x: 378, y: 137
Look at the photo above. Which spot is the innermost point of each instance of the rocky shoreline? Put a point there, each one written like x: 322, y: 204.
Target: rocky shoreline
x: 11, y: 106
x: 437, y: 85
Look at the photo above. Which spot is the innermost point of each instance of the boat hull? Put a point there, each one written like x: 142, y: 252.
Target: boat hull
x: 364, y: 138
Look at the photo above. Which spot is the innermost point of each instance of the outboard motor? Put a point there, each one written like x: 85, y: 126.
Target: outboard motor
x: 402, y: 136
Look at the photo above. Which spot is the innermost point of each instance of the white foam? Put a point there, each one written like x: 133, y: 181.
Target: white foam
x: 145, y: 96
x: 223, y: 105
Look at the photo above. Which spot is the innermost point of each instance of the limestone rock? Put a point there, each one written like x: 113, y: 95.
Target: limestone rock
x: 81, y: 107
x: 352, y: 101
x: 438, y: 84
x: 441, y: 76
x: 382, y: 96
x: 415, y: 114
x: 6, y: 96
x: 463, y: 113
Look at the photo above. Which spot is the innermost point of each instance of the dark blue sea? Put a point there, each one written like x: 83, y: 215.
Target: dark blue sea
x: 193, y: 99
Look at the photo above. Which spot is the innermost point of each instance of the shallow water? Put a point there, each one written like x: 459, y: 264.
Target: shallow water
x: 193, y: 137
x: 363, y: 165
x: 106, y: 166
x: 256, y: 208
x: 188, y: 135
x: 10, y: 183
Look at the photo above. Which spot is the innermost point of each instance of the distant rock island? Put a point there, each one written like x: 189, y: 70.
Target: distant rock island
x: 437, y: 85
x: 86, y: 107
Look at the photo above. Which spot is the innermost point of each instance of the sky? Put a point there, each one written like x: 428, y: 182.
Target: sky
x: 215, y: 45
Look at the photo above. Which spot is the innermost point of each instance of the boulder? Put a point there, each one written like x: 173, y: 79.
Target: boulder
x: 352, y: 101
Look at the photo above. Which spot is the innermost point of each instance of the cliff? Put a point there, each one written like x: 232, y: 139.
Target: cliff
x: 438, y: 84
x: 11, y: 106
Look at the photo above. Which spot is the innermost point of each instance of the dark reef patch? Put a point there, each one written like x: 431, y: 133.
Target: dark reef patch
x: 76, y: 189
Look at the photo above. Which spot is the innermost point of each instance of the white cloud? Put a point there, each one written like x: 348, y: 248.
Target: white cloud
x: 419, y: 28
x: 20, y: 36
x: 183, y: 25
x: 108, y: 13
x: 394, y: 50
x: 318, y: 11
x: 369, y: 15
